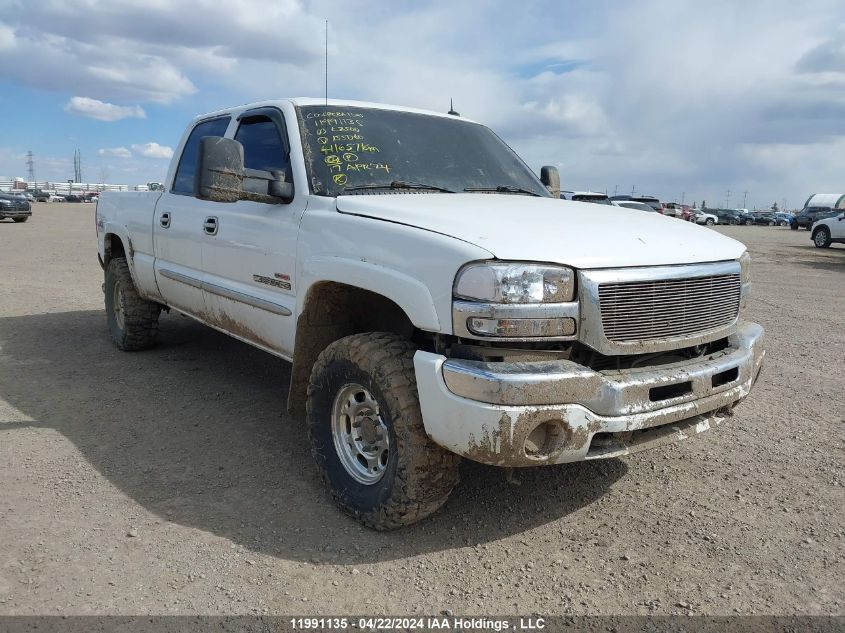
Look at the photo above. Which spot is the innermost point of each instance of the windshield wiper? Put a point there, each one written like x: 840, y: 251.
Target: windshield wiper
x: 502, y: 189
x: 398, y: 184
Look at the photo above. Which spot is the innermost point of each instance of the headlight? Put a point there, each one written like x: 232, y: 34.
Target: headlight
x: 512, y: 282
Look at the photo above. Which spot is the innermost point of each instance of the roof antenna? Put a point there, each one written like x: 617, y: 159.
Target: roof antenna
x: 327, y: 65
x: 452, y: 109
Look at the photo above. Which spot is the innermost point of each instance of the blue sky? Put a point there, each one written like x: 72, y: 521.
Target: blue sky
x: 673, y: 97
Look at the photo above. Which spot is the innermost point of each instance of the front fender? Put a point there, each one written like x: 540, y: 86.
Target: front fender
x: 407, y: 292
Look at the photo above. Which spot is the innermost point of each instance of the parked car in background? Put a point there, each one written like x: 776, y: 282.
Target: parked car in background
x: 585, y: 196
x: 728, y: 216
x: 829, y: 231
x: 703, y: 217
x: 810, y: 215
x: 74, y: 198
x: 40, y: 195
x: 651, y: 201
x: 784, y: 219
x: 631, y: 204
x: 14, y: 206
x: 745, y: 216
x: 682, y: 211
x: 764, y: 219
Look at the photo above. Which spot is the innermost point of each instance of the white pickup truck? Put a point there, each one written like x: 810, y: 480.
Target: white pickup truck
x: 437, y: 299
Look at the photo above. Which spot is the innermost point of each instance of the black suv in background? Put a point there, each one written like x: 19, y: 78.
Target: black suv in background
x: 728, y: 216
x: 808, y: 215
x: 14, y: 206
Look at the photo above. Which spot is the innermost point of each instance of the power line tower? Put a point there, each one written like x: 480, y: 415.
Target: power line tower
x: 30, y: 167
x: 77, y: 166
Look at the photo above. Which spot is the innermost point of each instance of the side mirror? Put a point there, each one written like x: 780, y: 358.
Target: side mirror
x: 551, y: 178
x: 220, y: 170
x: 279, y: 187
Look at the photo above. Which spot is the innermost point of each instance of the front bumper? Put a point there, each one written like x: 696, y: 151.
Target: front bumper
x: 14, y: 213
x: 553, y: 412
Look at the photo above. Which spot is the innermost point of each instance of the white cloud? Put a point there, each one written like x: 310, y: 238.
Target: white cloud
x: 119, y: 152
x: 153, y: 150
x: 7, y: 37
x: 96, y: 109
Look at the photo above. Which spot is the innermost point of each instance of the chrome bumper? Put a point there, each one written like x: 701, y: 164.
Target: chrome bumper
x: 487, y: 411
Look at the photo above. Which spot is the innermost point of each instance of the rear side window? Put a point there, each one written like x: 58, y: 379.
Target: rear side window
x: 183, y: 184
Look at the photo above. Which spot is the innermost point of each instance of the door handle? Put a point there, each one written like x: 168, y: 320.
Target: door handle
x: 210, y: 226
x: 164, y: 220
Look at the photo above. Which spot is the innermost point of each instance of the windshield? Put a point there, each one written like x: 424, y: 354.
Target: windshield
x: 352, y: 147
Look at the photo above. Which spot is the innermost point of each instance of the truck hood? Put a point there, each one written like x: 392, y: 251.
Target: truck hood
x: 578, y: 234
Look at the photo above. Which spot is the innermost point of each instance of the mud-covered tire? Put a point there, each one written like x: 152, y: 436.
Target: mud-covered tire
x: 419, y: 474
x: 821, y: 237
x: 137, y: 328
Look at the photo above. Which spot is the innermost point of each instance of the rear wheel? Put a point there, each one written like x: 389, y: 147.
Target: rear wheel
x: 23, y: 219
x: 133, y: 321
x: 367, y: 433
x: 821, y: 237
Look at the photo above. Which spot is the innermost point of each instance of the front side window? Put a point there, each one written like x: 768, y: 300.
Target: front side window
x: 351, y: 147
x: 183, y: 184
x: 263, y: 147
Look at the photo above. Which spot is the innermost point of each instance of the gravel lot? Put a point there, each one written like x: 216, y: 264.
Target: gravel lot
x: 169, y: 481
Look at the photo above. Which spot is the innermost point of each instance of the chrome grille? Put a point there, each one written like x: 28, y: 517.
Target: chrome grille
x: 668, y: 308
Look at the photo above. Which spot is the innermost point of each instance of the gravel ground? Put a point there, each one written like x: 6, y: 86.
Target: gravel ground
x: 169, y: 481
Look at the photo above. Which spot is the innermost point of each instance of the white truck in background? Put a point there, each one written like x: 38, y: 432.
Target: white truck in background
x: 437, y: 302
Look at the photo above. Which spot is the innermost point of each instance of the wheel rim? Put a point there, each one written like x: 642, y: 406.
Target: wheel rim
x: 119, y: 304
x: 361, y: 438
x: 821, y: 237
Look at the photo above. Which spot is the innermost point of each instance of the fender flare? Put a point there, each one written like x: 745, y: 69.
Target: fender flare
x: 122, y: 233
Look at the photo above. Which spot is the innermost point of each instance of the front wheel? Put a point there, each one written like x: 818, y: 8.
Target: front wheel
x: 133, y: 321
x: 793, y: 226
x: 821, y: 237
x: 709, y: 221
x: 21, y: 219
x: 367, y: 433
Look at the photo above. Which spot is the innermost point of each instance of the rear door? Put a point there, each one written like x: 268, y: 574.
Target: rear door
x: 178, y: 228
x: 250, y: 262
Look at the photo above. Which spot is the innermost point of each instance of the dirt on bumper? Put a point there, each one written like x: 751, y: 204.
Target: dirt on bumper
x: 608, y: 419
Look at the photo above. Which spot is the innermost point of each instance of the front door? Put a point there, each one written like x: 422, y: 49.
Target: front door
x: 178, y: 231
x: 250, y: 262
